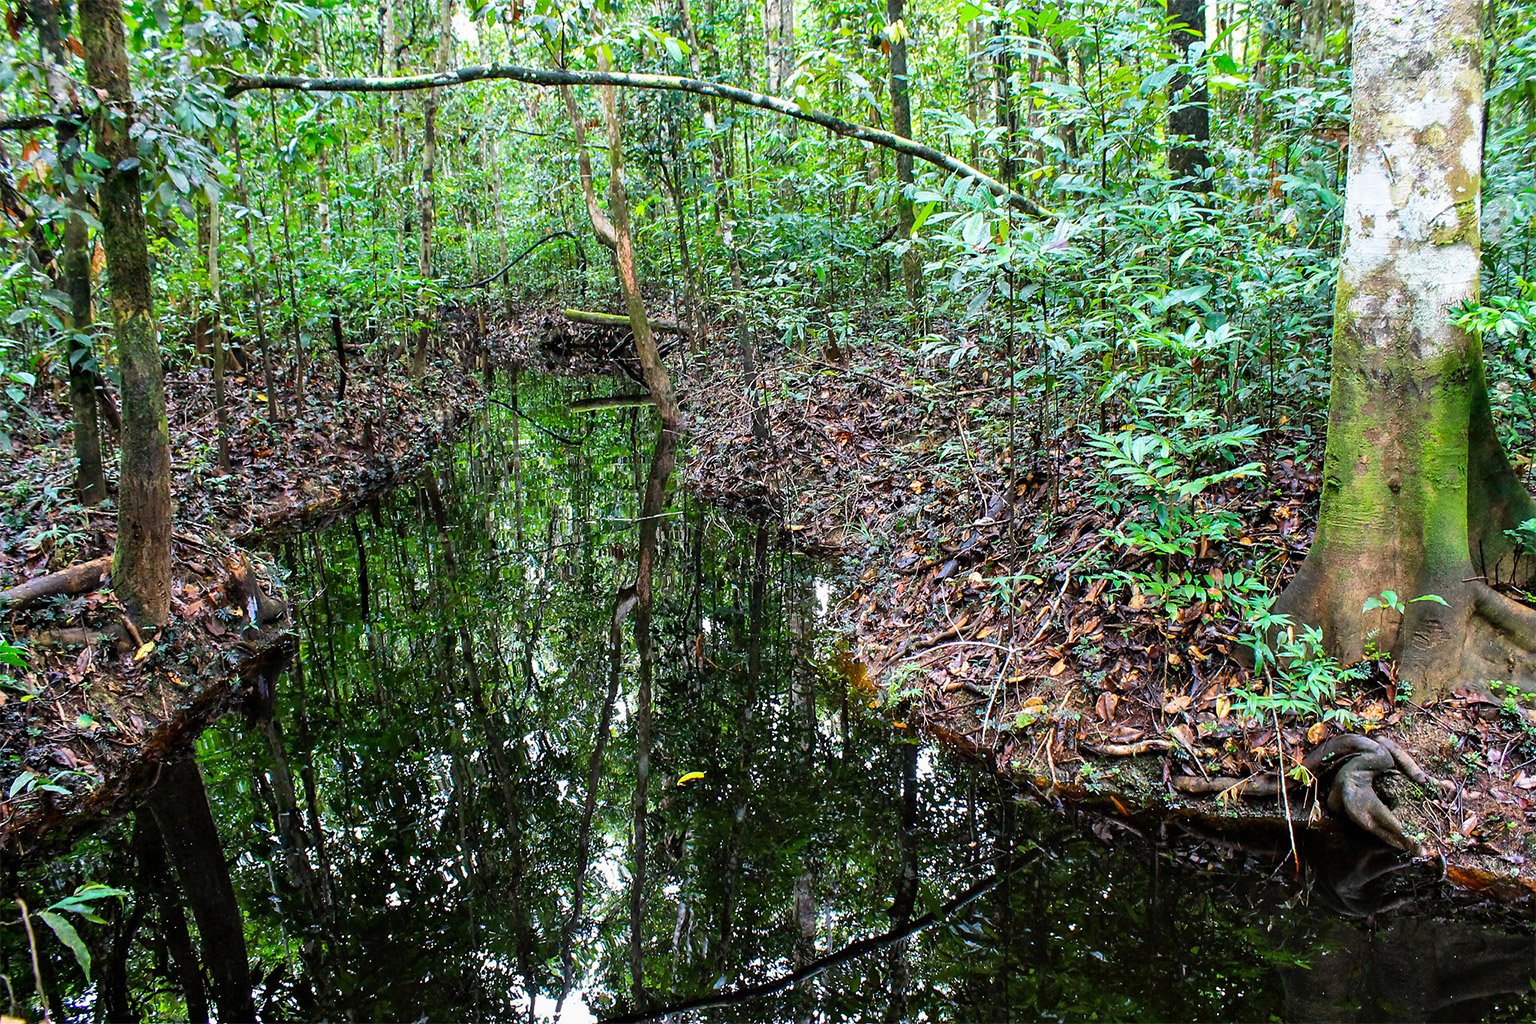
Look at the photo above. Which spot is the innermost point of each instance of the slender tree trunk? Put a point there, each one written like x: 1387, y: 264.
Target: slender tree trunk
x: 90, y: 477
x: 901, y: 124
x: 746, y: 341
x: 217, y: 334
x: 1417, y: 491
x: 141, y: 563
x: 779, y: 30
x: 74, y: 277
x: 427, y: 202
x: 255, y: 270
x: 615, y: 226
x: 1188, y: 108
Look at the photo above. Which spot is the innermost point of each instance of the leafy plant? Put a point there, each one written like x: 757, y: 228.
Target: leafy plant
x: 1298, y: 677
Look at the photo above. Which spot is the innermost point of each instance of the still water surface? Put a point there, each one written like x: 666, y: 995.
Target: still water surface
x: 407, y: 827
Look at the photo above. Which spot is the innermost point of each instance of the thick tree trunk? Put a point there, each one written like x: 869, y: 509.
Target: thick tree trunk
x: 141, y: 566
x: 1416, y: 490
x: 901, y: 124
x: 1189, y: 117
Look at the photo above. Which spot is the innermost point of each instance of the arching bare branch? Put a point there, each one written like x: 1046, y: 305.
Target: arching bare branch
x: 239, y: 83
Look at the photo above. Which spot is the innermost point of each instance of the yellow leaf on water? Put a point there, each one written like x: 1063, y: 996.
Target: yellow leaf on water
x: 143, y: 652
x: 690, y: 777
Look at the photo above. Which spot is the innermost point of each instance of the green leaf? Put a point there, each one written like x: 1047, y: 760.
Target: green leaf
x: 1436, y: 598
x: 71, y: 938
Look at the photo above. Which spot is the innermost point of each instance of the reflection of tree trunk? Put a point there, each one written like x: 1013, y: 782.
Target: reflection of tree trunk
x: 650, y: 520
x: 744, y: 742
x: 905, y: 898
x: 623, y: 604
x: 1409, y: 969
x: 179, y: 803
x: 154, y: 882
x: 312, y: 889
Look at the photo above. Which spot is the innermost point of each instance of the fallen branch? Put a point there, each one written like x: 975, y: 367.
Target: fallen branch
x: 610, y: 402
x: 77, y: 579
x: 239, y: 83
x: 1262, y: 786
x: 518, y: 258
x: 583, y: 316
x: 1128, y: 749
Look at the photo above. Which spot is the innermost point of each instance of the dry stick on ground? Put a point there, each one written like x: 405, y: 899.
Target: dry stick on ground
x: 239, y: 83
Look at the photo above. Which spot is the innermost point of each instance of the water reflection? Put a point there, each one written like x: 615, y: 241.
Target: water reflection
x: 560, y: 740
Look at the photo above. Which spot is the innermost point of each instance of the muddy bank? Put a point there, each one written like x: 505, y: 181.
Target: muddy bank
x: 984, y: 596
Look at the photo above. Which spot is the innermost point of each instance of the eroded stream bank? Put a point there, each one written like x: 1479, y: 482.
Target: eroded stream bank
x: 400, y: 818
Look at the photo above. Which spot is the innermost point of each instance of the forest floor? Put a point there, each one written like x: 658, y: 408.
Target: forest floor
x: 986, y: 602
x: 983, y: 595
x: 89, y: 706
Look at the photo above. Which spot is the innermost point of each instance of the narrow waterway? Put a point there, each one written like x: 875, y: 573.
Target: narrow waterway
x: 434, y: 813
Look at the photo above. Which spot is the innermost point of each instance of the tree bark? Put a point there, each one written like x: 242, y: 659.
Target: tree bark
x: 427, y: 203
x: 1417, y: 491
x: 74, y: 268
x: 141, y: 566
x: 1189, y: 124
x: 901, y: 123
x: 779, y: 30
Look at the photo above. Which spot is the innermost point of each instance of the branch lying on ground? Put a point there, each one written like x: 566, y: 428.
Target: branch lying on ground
x: 77, y: 579
x: 239, y: 83
x: 583, y: 316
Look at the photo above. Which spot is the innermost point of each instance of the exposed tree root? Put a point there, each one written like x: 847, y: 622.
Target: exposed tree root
x: 1219, y: 785
x: 1348, y: 766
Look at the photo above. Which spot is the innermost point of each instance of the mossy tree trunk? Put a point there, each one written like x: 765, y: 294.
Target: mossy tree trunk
x: 141, y: 563
x: 1417, y: 492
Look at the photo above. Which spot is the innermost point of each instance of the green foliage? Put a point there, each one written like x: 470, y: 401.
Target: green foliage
x: 1156, y: 485
x: 1294, y: 676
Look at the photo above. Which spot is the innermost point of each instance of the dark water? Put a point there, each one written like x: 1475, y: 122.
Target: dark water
x: 401, y: 824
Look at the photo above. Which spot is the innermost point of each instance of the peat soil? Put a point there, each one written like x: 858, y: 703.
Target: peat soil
x: 89, y: 706
x: 982, y: 595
